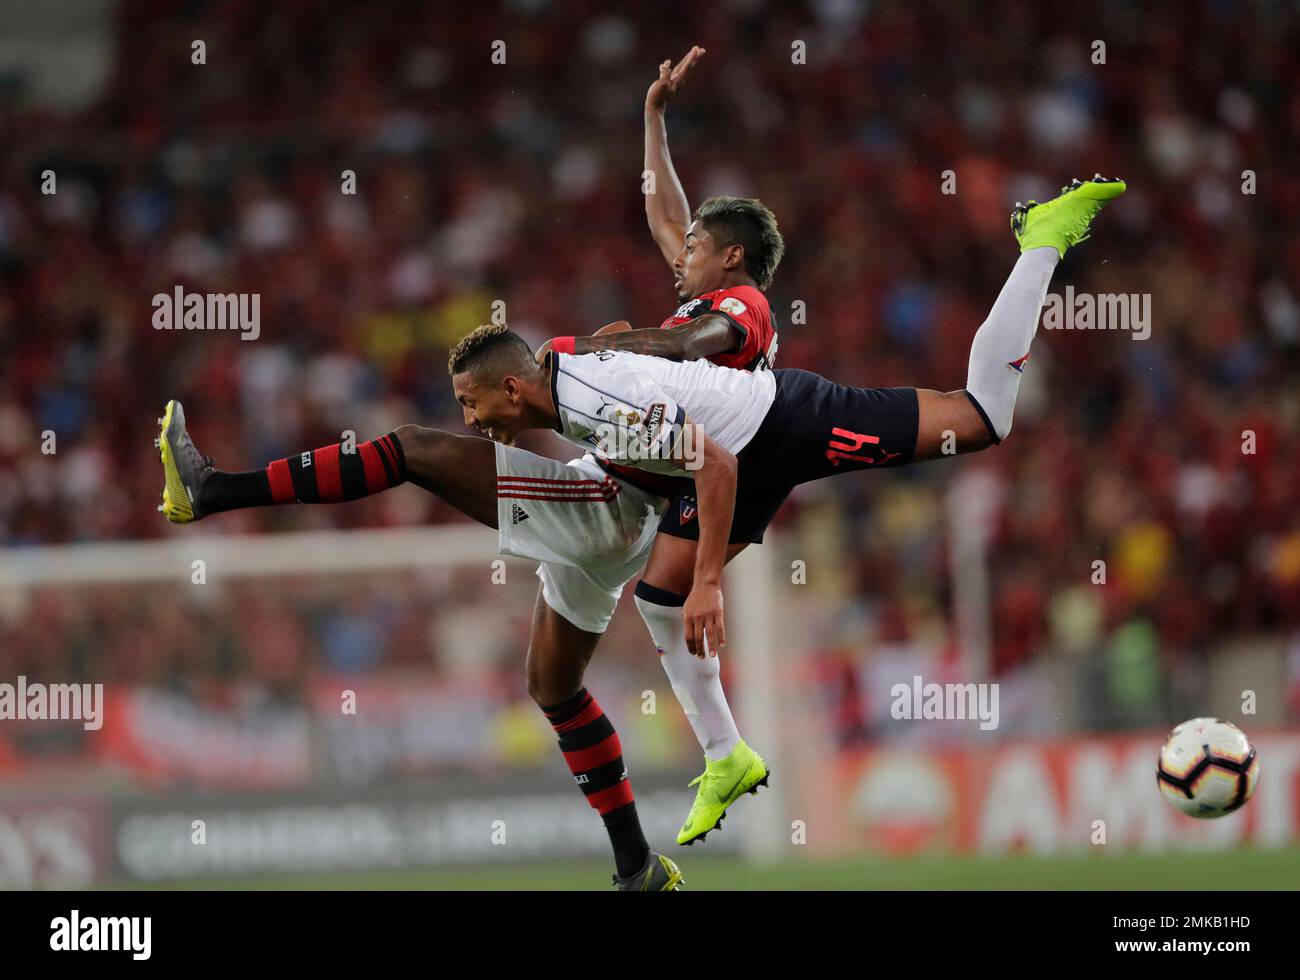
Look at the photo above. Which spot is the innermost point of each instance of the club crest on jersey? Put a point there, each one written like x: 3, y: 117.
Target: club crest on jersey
x: 688, y: 510
x: 626, y: 416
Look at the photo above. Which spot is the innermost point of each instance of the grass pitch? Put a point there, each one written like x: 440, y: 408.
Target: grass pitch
x: 1242, y: 869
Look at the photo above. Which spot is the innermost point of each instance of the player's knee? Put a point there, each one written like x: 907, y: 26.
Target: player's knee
x: 951, y: 423
x: 537, y: 689
x: 548, y: 688
x: 671, y: 569
x: 987, y: 428
x: 549, y: 679
x: 661, y: 611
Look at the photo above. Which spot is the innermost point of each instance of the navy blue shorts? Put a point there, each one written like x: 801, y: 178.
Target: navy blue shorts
x: 814, y: 429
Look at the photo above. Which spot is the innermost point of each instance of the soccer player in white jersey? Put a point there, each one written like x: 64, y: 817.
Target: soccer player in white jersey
x: 591, y: 531
x: 668, y: 420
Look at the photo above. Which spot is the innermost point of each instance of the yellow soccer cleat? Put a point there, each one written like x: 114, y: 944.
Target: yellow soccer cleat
x: 185, y: 470
x: 1065, y: 220
x: 722, y: 783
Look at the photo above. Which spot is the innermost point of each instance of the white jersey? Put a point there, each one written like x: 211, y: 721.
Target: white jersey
x: 630, y: 408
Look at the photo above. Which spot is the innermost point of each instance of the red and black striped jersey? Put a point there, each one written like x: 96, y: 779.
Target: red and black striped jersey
x: 748, y: 311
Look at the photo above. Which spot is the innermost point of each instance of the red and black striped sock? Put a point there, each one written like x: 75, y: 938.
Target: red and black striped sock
x: 595, y: 756
x: 322, y: 476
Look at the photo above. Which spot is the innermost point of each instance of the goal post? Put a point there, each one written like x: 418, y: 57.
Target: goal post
x: 242, y: 556
x: 752, y: 629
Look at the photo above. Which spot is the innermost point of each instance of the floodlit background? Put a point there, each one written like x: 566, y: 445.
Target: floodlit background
x: 1173, y: 460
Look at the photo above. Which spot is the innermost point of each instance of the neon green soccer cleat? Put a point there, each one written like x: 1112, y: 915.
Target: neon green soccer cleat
x: 660, y: 874
x: 185, y: 469
x: 1064, y: 220
x: 722, y: 783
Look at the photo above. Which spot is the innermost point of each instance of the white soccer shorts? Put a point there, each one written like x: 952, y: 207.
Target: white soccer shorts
x: 591, y: 532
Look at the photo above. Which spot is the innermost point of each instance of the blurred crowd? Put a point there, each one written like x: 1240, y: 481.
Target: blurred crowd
x: 496, y: 154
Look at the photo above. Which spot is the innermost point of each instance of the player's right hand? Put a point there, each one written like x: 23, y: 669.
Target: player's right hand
x: 670, y: 79
x: 706, y: 630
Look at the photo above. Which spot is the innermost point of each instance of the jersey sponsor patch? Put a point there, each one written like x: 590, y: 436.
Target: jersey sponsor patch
x: 653, y: 419
x: 733, y: 306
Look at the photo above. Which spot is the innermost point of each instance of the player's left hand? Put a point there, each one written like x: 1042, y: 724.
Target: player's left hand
x: 670, y: 80
x: 706, y: 629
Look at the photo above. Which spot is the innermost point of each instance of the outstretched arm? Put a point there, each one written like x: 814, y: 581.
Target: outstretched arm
x: 666, y: 208
x: 702, y: 337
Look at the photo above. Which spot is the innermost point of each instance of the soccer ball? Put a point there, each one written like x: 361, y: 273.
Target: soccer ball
x: 1207, y: 768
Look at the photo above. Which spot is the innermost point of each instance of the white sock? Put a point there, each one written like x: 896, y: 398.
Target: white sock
x: 1003, y: 339
x: 696, y: 681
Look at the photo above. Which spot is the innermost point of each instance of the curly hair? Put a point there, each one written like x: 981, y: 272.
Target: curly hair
x: 491, y: 343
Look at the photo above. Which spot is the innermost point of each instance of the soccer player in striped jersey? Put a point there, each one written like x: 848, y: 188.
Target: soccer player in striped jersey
x: 862, y: 428
x: 720, y: 260
x: 786, y: 427
x: 723, y: 258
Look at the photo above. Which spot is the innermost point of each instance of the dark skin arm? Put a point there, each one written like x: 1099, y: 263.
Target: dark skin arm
x: 702, y: 337
x: 666, y: 208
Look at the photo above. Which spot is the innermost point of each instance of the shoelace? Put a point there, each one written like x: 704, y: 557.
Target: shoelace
x: 1080, y: 230
x: 699, y: 779
x: 192, y: 453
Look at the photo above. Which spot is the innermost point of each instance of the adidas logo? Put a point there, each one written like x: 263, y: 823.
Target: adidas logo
x: 517, y: 514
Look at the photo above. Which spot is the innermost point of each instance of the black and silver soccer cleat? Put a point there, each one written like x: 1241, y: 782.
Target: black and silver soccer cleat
x: 660, y: 874
x: 185, y: 469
